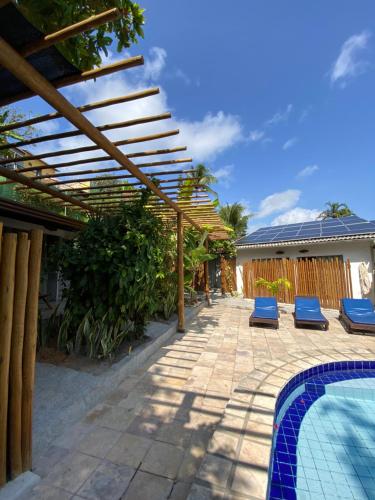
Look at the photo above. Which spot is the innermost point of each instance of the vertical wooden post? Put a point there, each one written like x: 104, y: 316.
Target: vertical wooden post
x: 207, y: 277
x: 7, y: 271
x: 29, y: 347
x: 180, y: 273
x: 15, y: 370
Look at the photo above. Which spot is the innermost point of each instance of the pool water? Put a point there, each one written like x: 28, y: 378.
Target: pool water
x: 324, y: 446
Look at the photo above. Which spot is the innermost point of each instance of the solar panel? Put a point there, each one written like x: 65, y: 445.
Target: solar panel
x: 350, y: 226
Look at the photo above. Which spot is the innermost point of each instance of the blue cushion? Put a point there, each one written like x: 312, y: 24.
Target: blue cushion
x: 308, y: 309
x: 359, y: 310
x: 266, y: 308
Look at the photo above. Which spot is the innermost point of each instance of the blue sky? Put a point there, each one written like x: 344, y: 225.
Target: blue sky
x: 278, y: 98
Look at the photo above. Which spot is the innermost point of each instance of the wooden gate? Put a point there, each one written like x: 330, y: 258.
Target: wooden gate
x: 327, y: 278
x: 19, y: 294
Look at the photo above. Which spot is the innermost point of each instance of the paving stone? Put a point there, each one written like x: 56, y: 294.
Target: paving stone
x: 107, y: 481
x: 99, y: 441
x: 250, y: 481
x: 163, y: 459
x: 146, y: 486
x: 72, y: 472
x: 180, y: 491
x: 215, y: 470
x: 129, y: 450
x: 46, y: 492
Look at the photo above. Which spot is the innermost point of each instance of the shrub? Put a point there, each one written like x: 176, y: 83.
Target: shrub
x: 120, y: 273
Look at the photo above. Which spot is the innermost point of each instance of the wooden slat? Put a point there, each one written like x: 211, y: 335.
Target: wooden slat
x: 84, y: 109
x: 84, y: 149
x: 81, y: 77
x: 74, y: 133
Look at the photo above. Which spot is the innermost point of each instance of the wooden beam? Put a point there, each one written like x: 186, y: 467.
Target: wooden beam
x: 129, y: 176
x: 70, y: 80
x: 70, y: 31
x: 180, y: 274
x: 84, y: 109
x: 100, y: 159
x: 85, y: 149
x: 75, y: 133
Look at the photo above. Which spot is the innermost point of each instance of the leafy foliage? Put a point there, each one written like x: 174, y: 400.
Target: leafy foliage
x: 335, y: 210
x: 274, y: 286
x: 226, y: 248
x: 234, y: 217
x: 119, y: 270
x: 8, y: 116
x: 85, y: 50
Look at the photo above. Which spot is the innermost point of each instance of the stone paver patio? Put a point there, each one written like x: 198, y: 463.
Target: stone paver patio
x: 183, y: 426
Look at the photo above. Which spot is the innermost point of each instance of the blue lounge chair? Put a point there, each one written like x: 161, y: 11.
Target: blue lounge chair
x: 358, y: 314
x: 265, y: 312
x: 307, y: 312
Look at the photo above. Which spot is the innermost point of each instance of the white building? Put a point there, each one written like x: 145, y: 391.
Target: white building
x: 347, y: 238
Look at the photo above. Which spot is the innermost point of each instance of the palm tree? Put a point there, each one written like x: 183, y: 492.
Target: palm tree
x: 234, y: 217
x: 200, y: 178
x: 335, y: 210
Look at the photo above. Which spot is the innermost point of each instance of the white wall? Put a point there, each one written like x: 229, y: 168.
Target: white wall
x: 356, y: 251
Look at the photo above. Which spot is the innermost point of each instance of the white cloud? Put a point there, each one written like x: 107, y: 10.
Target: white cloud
x: 290, y: 143
x: 256, y: 135
x: 280, y: 116
x: 307, y: 171
x: 277, y: 202
x: 205, y: 138
x: 348, y: 65
x: 154, y: 65
x: 297, y: 214
x: 224, y: 175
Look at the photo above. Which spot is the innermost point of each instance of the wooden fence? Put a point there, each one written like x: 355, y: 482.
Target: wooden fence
x: 20, y: 260
x: 327, y: 278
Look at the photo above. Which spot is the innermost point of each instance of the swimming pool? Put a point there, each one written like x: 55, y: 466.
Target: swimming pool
x: 324, y: 437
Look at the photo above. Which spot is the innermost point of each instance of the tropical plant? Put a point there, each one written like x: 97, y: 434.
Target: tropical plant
x: 195, y: 254
x: 115, y: 268
x: 335, y: 210
x: 233, y: 215
x: 274, y: 286
x: 85, y: 50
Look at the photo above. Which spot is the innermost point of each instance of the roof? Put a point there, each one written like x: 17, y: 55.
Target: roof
x: 18, y: 31
x: 328, y: 230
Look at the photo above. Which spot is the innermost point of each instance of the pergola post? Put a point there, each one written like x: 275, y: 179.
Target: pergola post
x: 207, y: 277
x: 180, y: 273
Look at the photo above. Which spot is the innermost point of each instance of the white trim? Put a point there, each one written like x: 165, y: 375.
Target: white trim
x: 307, y: 242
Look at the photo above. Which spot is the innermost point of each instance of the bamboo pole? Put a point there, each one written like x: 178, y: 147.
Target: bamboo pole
x: 97, y: 159
x: 180, y: 273
x: 84, y: 149
x: 70, y: 31
x: 29, y: 347
x: 15, y: 374
x: 77, y: 78
x: 84, y: 109
x: 74, y: 133
x: 7, y: 271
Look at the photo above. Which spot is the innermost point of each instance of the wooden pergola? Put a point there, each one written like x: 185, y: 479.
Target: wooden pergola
x: 23, y: 75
